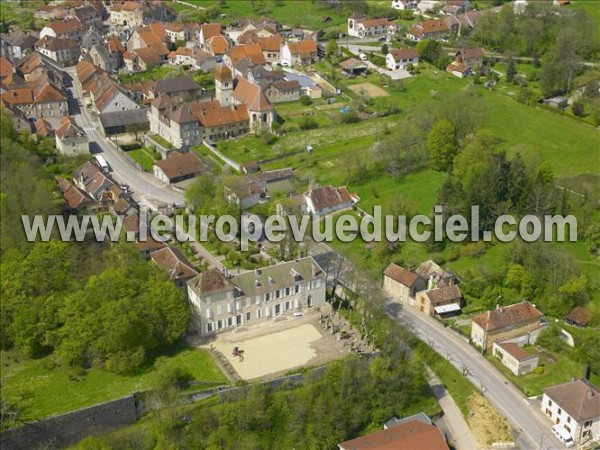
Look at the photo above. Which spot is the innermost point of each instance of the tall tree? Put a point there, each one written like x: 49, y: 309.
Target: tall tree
x: 441, y: 145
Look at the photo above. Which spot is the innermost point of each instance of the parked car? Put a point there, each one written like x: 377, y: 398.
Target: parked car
x: 563, y: 436
x: 363, y: 57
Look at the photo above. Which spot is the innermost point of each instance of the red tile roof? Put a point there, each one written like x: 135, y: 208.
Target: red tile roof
x: 404, y: 53
x: 68, y: 129
x: 507, y: 315
x: 210, y: 281
x: 174, y: 263
x: 65, y: 26
x: 515, y: 351
x: 252, y: 52
x: 209, y: 30
x: 401, y: 275
x: 251, y: 95
x: 413, y: 435
x: 6, y: 68
x: 181, y: 164
x: 304, y: 48
x: 329, y: 197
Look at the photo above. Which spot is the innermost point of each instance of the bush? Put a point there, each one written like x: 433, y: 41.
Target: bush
x: 308, y: 123
x: 539, y: 370
x: 551, y: 339
x: 305, y: 100
x: 577, y: 108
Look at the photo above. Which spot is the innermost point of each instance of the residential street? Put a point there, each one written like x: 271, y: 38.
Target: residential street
x: 146, y: 189
x: 532, y: 428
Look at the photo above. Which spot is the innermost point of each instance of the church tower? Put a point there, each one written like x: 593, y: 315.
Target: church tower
x: 224, y: 85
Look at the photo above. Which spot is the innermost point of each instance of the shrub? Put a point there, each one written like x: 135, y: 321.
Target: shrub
x: 539, y: 370
x: 307, y: 123
x: 577, y: 108
x: 305, y: 100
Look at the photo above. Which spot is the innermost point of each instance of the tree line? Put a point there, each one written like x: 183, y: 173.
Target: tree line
x: 88, y: 303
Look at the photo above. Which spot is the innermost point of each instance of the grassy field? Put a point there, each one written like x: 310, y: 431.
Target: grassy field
x: 45, y: 388
x: 142, y: 157
x: 21, y: 14
x: 292, y: 13
x: 156, y: 73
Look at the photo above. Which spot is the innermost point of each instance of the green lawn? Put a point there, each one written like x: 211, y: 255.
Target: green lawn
x: 155, y: 73
x: 45, y: 389
x: 161, y: 141
x: 142, y: 157
x: 292, y: 13
x: 21, y: 14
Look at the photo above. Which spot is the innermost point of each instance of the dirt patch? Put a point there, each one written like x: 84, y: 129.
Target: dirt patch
x: 370, y: 89
x: 275, y: 347
x: 487, y: 424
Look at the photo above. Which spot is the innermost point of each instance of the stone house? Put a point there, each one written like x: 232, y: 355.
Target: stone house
x: 362, y: 27
x: 172, y: 261
x: 179, y: 167
x: 65, y: 52
x: 221, y: 303
x: 402, y: 284
x: 520, y: 322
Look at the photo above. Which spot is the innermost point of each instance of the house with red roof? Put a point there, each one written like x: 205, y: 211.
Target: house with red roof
x: 521, y: 323
x: 64, y: 29
x: 324, y: 200
x: 362, y: 27
x: 299, y: 52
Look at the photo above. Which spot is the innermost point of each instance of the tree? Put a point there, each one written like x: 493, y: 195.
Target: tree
x: 465, y: 111
x: 475, y: 157
x: 331, y: 48
x: 384, y: 49
x: 305, y: 100
x: 429, y: 50
x: 440, y: 145
x: 511, y: 70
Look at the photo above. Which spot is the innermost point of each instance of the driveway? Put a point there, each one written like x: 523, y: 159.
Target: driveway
x: 357, y: 48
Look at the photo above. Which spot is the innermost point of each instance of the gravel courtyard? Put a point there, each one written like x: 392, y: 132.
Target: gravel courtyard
x: 275, y: 347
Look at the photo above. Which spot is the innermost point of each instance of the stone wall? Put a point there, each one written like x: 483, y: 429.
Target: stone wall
x: 67, y: 429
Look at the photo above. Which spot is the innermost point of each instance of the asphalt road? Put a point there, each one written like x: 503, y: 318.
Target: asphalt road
x: 145, y: 188
x: 532, y: 428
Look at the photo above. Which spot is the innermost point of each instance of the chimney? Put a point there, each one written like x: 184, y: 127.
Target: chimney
x: 430, y: 282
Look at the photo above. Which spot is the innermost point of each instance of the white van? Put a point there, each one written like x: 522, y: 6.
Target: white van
x: 102, y: 163
x: 563, y: 436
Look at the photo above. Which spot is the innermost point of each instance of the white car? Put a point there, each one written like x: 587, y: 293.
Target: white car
x: 363, y: 57
x: 563, y: 436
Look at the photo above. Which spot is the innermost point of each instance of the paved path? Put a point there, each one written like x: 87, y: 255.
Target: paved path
x: 461, y: 433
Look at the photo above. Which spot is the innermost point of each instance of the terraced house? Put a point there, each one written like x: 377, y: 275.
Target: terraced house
x: 222, y: 303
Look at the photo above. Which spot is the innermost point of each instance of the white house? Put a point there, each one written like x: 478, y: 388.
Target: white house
x: 576, y: 406
x: 400, y: 58
x: 361, y: 27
